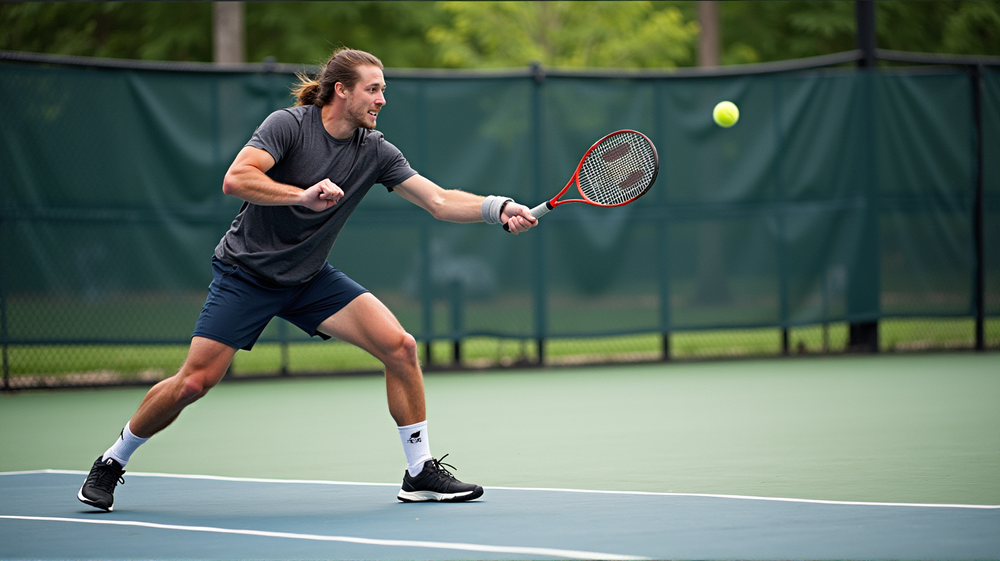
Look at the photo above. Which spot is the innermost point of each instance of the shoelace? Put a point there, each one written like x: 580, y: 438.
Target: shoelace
x: 105, y: 479
x: 441, y: 470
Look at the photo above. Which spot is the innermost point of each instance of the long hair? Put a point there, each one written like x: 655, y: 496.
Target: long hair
x: 342, y: 67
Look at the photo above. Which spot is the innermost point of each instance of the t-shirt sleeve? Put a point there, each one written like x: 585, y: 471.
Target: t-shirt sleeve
x: 393, y: 165
x: 276, y: 134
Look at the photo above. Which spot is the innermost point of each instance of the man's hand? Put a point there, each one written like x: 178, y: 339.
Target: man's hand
x: 517, y: 217
x: 321, y: 196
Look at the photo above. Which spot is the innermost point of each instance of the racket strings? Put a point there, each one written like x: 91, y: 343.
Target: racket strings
x: 619, y: 169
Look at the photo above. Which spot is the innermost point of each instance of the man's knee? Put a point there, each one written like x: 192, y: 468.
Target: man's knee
x: 196, y: 379
x: 193, y: 387
x: 405, y: 350
x: 204, y: 367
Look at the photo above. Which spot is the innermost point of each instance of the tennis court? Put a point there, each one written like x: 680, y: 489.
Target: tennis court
x: 846, y: 457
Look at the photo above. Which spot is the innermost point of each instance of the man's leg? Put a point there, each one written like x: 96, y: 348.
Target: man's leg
x: 206, y: 364
x: 367, y: 323
x: 204, y: 367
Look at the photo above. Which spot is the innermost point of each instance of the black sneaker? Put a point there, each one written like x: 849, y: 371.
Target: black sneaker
x: 435, y: 483
x: 99, y: 489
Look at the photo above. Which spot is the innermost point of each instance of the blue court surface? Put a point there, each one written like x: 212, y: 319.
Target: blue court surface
x: 187, y: 517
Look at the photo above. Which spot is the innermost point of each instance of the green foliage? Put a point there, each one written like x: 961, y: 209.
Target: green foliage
x: 307, y: 32
x: 566, y: 34
x: 940, y: 27
x: 150, y: 31
x: 769, y: 31
x: 409, y: 34
x: 402, y: 34
x: 974, y: 28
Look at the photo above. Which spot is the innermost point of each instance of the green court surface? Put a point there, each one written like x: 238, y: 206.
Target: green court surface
x: 892, y: 428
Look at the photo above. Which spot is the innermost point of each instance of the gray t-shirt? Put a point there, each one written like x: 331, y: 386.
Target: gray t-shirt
x: 288, y: 245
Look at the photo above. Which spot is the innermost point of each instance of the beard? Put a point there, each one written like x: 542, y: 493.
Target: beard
x: 359, y: 118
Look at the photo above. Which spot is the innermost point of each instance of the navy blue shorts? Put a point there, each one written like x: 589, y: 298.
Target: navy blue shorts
x: 240, y: 305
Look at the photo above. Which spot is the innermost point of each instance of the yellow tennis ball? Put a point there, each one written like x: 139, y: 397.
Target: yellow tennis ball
x: 726, y: 114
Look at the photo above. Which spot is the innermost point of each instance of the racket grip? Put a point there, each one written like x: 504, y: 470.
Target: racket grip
x: 541, y: 210
x: 538, y: 212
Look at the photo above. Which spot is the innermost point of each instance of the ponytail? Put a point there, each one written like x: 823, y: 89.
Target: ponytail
x: 306, y: 91
x: 340, y: 68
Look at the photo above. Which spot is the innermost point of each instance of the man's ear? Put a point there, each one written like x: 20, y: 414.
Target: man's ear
x: 340, y: 90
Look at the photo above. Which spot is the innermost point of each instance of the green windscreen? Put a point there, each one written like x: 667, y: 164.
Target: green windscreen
x: 841, y: 195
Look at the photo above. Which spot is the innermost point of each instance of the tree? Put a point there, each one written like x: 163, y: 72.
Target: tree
x: 307, y: 32
x: 497, y: 34
x: 564, y: 34
x: 294, y: 32
x: 770, y: 31
x: 227, y: 32
x: 149, y: 31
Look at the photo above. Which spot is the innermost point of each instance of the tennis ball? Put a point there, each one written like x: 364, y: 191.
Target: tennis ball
x: 726, y: 114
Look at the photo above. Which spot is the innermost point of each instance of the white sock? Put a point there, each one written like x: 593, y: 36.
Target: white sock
x: 123, y: 448
x: 416, y: 446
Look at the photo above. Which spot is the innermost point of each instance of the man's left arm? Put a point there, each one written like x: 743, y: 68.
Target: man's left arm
x: 452, y: 205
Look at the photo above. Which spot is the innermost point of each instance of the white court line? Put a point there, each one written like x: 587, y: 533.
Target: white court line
x: 529, y: 551
x: 205, y: 477
x: 749, y: 498
x: 550, y: 489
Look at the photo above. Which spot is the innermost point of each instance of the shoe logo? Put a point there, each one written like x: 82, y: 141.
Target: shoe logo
x: 108, y: 462
x: 414, y: 438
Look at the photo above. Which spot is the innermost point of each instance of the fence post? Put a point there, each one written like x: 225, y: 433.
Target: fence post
x: 4, y: 362
x: 541, y: 323
x: 864, y: 280
x: 457, y: 325
x: 426, y: 284
x: 662, y: 232
x: 663, y: 270
x: 863, y: 335
x: 979, y: 288
x: 864, y: 15
x: 283, y: 347
x: 427, y: 292
x: 4, y: 333
x: 780, y: 226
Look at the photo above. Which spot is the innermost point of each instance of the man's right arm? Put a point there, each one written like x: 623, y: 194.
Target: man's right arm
x: 247, y: 180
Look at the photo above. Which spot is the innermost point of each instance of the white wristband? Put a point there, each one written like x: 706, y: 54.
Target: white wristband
x: 492, y: 205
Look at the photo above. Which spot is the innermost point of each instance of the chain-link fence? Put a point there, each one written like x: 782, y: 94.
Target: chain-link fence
x: 843, y: 200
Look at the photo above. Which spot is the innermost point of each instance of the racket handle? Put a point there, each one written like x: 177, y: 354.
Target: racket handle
x: 538, y: 212
x: 541, y: 210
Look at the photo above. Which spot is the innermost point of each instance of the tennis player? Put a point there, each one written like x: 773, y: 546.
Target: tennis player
x: 303, y: 172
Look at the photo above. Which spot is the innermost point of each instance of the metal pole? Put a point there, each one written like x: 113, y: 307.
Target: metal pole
x: 863, y: 336
x: 3, y: 333
x: 426, y: 284
x: 662, y: 232
x: 427, y: 292
x: 781, y: 230
x: 664, y: 275
x: 977, y: 209
x: 864, y: 14
x: 283, y: 347
x: 541, y: 324
x: 457, y: 325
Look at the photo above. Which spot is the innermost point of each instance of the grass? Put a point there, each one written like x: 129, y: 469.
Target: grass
x: 97, y: 364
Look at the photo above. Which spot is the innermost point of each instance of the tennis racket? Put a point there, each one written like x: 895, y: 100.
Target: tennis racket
x: 616, y: 170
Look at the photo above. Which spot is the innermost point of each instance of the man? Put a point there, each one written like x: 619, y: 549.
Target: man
x: 300, y: 176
